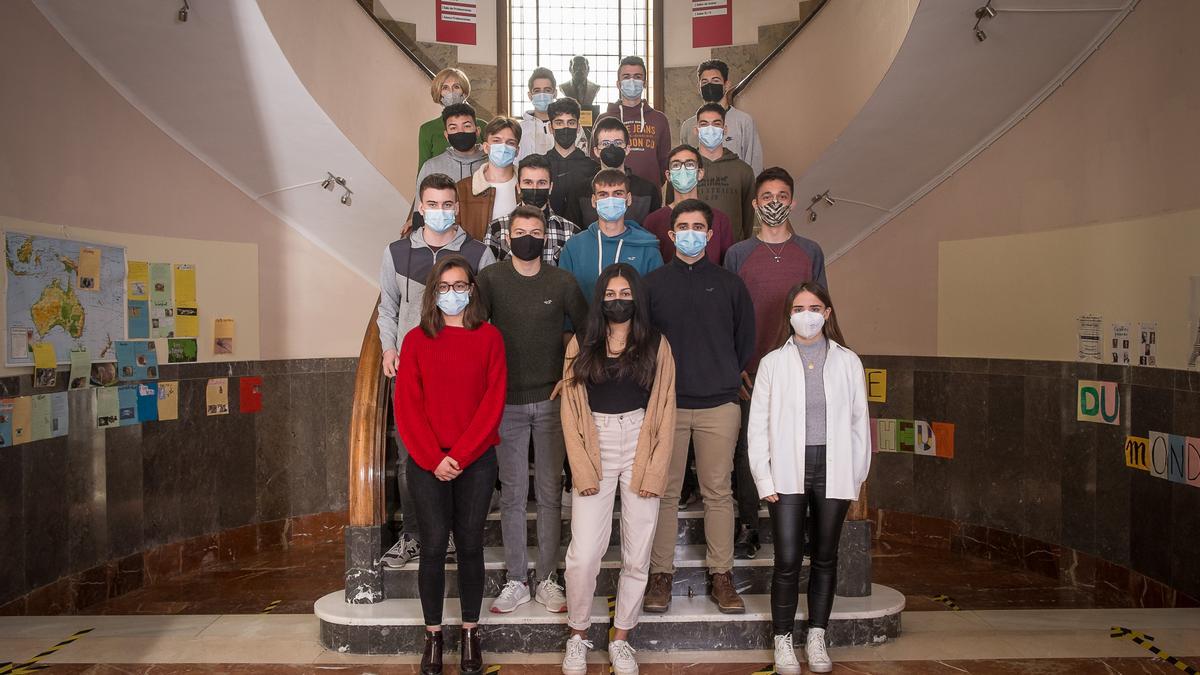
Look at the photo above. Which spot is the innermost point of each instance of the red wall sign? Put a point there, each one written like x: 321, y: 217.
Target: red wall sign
x: 456, y: 20
x: 712, y: 23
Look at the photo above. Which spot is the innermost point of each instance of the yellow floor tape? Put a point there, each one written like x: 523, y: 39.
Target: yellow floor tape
x: 271, y: 607
x: 1147, y: 642
x: 32, y: 665
x: 947, y: 601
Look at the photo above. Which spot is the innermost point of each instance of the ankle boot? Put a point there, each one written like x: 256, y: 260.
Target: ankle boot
x: 470, y: 660
x: 431, y: 659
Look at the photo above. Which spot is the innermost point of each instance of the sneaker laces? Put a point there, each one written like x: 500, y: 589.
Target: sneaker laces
x: 816, y: 650
x: 577, y: 647
x: 551, y: 583
x: 510, y: 589
x: 785, y: 642
x: 623, y: 651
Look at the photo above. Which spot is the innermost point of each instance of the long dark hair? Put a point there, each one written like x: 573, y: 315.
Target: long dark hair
x: 830, y: 330
x: 640, y: 357
x: 432, y: 321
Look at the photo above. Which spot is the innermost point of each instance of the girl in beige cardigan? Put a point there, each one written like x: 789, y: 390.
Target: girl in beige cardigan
x: 618, y: 416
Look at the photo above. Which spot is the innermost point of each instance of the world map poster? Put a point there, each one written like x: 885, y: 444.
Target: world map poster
x: 46, y: 302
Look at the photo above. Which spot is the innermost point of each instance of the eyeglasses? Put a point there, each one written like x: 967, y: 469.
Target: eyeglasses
x: 458, y: 286
x: 690, y: 165
x: 617, y: 144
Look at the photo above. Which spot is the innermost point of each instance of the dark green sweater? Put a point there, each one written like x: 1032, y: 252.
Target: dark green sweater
x: 530, y: 313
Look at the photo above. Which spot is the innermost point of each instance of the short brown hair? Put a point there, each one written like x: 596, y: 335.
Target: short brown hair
x: 435, y: 87
x: 501, y: 123
x: 432, y: 321
x: 542, y: 74
x: 526, y: 211
x: 610, y: 178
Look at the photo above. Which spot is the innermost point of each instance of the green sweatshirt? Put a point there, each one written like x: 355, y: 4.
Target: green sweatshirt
x: 431, y: 140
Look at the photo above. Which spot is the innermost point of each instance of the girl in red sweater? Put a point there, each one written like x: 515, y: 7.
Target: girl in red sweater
x: 450, y: 390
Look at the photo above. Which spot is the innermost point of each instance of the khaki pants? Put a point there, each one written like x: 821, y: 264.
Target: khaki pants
x: 714, y: 432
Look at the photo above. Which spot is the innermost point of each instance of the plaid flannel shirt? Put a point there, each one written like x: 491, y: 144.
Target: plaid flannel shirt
x: 558, y: 231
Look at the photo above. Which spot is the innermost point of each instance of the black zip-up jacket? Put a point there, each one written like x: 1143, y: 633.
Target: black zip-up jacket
x: 708, y: 317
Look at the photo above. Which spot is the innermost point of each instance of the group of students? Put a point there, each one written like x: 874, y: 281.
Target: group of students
x: 509, y: 326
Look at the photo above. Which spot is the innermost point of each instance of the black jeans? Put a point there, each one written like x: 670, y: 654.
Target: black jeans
x: 744, y: 489
x: 787, y: 517
x: 459, y: 505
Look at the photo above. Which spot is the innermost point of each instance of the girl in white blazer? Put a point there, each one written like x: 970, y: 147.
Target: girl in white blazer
x: 810, y: 449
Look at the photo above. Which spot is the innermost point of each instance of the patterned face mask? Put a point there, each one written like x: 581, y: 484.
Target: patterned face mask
x: 774, y: 213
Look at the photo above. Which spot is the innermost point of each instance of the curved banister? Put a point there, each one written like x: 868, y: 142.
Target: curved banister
x: 368, y: 432
x: 396, y: 41
x: 737, y: 89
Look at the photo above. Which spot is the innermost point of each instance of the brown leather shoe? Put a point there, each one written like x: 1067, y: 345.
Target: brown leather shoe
x: 725, y: 595
x: 470, y: 660
x: 658, y: 593
x: 431, y: 659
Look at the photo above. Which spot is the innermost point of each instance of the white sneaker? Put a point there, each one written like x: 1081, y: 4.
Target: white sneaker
x: 513, y: 595
x: 551, y: 595
x: 404, y: 551
x: 818, y: 658
x: 621, y: 657
x: 575, y: 662
x: 786, y: 662
x: 451, y: 550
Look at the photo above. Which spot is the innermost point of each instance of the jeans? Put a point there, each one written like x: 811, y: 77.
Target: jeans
x: 408, y: 510
x: 542, y: 421
x: 787, y: 518
x: 459, y: 505
x: 744, y: 490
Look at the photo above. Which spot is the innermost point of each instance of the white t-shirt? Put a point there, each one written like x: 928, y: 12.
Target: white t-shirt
x: 506, y: 197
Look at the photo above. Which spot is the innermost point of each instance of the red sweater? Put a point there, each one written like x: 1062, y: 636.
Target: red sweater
x: 450, y: 393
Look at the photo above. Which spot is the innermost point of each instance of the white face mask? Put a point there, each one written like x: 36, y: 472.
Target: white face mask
x: 808, y: 324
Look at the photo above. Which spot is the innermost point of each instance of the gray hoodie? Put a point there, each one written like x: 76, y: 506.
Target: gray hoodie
x: 406, y: 264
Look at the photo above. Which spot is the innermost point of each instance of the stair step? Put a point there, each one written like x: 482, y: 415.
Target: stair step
x: 691, y: 575
x: 691, y: 527
x: 396, y: 626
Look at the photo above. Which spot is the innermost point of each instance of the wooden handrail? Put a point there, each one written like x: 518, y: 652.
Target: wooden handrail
x: 737, y: 89
x: 396, y: 41
x: 368, y: 432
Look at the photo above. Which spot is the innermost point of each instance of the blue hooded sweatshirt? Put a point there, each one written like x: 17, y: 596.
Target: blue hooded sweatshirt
x: 586, y: 254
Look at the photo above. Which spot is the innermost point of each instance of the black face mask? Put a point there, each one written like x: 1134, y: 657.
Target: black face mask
x: 462, y: 141
x: 712, y: 92
x: 617, y: 311
x: 527, y: 247
x: 565, y: 137
x: 535, y: 196
x: 612, y: 156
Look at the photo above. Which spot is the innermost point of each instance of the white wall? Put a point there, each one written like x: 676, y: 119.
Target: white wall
x: 748, y: 15
x: 421, y: 13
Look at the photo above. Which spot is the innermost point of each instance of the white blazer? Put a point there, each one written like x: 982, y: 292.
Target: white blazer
x: 775, y: 432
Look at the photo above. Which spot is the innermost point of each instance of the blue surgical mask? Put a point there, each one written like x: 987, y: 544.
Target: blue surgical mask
x: 690, y: 242
x: 501, y: 155
x: 453, y: 302
x: 439, y: 220
x: 632, y: 89
x: 541, y: 101
x: 611, y: 209
x: 711, y: 137
x: 684, y: 179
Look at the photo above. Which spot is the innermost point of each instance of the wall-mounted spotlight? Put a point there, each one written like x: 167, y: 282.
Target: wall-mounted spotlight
x: 830, y: 200
x: 329, y: 181
x: 346, y: 198
x: 985, y: 12
x: 183, y: 11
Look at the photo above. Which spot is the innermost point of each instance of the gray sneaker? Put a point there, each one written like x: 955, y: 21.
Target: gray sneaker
x: 404, y: 551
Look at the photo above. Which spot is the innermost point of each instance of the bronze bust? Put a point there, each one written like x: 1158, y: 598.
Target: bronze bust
x: 579, y: 87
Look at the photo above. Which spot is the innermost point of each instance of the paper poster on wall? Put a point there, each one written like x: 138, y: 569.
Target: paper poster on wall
x: 81, y: 368
x: 168, y: 401
x: 107, y: 407
x: 103, y: 374
x: 45, y: 365
x: 181, y: 350
x: 137, y: 281
x: 1089, y: 337
x: 905, y: 439
x: 1176, y: 458
x: 876, y: 385
x: 127, y: 395
x: 162, y: 309
x: 712, y: 23
x: 455, y: 21
x: 943, y: 436
x: 924, y: 442
x: 1098, y: 402
x: 250, y: 394
x: 40, y: 418
x: 1119, y: 347
x: 1193, y: 461
x: 138, y: 315
x: 1136, y: 453
x: 147, y: 402
x: 136, y: 360
x: 223, y: 336
x: 1159, y: 446
x: 88, y: 275
x: 187, y: 318
x: 6, y: 422
x: 60, y: 414
x: 216, y: 396
x: 1148, y: 344
x: 886, y: 435
x: 22, y: 418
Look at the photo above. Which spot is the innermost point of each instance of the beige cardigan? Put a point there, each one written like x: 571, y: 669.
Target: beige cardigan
x: 653, y: 454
